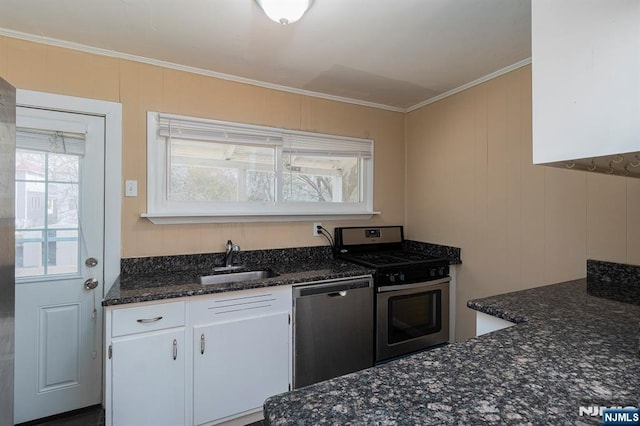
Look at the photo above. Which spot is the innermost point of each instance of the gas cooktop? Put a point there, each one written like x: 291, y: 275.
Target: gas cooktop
x: 391, y: 258
x: 380, y: 248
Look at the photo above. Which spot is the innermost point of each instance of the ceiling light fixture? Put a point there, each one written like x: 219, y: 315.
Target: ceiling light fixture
x: 285, y: 11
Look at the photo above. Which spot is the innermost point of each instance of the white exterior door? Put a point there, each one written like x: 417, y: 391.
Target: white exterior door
x: 59, y: 248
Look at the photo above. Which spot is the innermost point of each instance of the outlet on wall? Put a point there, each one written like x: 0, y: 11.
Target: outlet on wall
x: 315, y: 229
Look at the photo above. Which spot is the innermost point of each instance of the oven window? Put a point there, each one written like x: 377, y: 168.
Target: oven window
x: 414, y: 315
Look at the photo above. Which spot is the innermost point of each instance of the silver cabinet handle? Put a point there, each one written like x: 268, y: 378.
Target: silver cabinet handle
x: 175, y: 349
x: 202, y: 344
x: 148, y: 320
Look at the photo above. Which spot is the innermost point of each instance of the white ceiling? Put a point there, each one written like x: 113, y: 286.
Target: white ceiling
x: 396, y: 53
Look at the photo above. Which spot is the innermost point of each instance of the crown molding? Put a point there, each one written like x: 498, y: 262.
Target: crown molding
x: 135, y: 58
x: 466, y: 86
x: 179, y: 67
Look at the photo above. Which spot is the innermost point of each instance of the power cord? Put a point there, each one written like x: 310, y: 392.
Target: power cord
x: 327, y: 235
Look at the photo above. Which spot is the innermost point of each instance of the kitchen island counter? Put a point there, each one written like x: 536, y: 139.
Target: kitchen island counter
x: 568, y: 350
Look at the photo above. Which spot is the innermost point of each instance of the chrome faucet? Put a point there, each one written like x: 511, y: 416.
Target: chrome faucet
x: 228, y: 257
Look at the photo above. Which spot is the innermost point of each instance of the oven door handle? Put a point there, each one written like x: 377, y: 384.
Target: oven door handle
x: 424, y: 284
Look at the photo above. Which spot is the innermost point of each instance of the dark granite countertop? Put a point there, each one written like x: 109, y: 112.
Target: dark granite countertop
x: 145, y: 279
x: 569, y: 349
x: 139, y: 287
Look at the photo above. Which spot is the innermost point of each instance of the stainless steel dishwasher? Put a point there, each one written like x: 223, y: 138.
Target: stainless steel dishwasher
x: 332, y: 329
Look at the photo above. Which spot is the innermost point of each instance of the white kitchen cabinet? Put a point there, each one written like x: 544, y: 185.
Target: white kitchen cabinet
x: 145, y: 374
x: 586, y: 82
x: 148, y: 379
x: 198, y: 360
x: 241, y: 352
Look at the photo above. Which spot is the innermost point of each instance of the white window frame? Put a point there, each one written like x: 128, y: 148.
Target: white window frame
x: 162, y: 211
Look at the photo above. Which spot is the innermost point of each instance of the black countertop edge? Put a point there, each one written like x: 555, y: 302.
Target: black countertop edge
x: 136, y: 288
x: 570, y: 350
x: 614, y: 281
x: 480, y: 306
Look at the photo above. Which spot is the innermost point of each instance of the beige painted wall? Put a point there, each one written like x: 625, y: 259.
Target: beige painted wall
x: 471, y: 183
x: 140, y: 87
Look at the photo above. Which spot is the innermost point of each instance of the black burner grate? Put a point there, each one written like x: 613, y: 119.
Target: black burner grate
x: 382, y: 259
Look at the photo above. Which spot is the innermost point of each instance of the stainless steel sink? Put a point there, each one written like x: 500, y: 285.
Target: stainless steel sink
x: 236, y: 277
x: 228, y: 268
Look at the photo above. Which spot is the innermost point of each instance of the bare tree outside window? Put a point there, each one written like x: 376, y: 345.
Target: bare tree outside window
x: 321, y: 179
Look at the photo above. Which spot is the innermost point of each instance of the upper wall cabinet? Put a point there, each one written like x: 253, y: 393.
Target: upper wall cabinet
x: 586, y: 84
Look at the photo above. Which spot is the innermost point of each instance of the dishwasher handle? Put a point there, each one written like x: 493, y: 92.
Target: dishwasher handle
x: 333, y: 289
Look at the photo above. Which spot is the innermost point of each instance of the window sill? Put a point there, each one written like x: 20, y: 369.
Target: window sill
x: 190, y: 218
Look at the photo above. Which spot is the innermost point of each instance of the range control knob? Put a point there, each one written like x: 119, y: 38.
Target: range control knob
x: 432, y: 272
x: 401, y: 276
x: 392, y: 278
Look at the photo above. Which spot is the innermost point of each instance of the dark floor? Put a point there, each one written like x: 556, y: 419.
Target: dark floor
x: 90, y: 416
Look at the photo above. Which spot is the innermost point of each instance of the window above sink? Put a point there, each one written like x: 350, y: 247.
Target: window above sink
x: 203, y: 170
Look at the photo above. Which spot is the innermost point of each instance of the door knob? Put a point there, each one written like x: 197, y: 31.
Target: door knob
x: 90, y: 284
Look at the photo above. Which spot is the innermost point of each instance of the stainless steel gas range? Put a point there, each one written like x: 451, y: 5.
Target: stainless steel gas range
x: 411, y: 289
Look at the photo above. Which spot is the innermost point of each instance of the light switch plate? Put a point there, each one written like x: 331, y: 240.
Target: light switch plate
x: 130, y: 188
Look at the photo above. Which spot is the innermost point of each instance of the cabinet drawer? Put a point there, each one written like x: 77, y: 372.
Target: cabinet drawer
x: 147, y: 318
x: 240, y: 304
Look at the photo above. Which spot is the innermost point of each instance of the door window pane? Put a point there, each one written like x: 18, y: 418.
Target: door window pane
x: 63, y: 168
x: 30, y: 165
x: 62, y: 205
x: 29, y: 253
x: 47, y: 216
x: 30, y: 204
x: 62, y: 253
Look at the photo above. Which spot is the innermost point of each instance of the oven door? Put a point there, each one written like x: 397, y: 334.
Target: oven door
x: 411, y: 317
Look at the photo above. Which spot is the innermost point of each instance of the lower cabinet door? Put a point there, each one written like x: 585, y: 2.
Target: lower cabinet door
x: 148, y: 379
x: 238, y: 364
